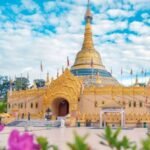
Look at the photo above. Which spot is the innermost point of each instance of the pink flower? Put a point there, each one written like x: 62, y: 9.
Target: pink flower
x: 21, y: 142
x: 1, y: 127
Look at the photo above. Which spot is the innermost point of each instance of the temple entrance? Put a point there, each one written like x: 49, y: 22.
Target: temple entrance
x: 63, y: 109
x: 111, y: 110
x: 60, y: 107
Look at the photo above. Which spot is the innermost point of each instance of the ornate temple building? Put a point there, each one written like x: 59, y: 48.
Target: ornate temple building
x: 86, y: 91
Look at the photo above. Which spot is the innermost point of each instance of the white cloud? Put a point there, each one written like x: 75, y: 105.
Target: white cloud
x: 145, y: 15
x: 29, y: 5
x: 49, y: 6
x: 105, y: 26
x: 53, y: 19
x: 140, y: 4
x: 116, y: 13
x: 140, y: 28
x: 2, y: 17
x: 146, y: 18
x: 27, y: 70
x: 35, y: 19
x: 140, y: 40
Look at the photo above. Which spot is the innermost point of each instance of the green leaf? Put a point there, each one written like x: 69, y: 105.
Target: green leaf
x: 79, y: 143
x: 54, y: 147
x: 146, y: 144
x: 116, y: 134
x: 42, y: 141
x: 111, y: 140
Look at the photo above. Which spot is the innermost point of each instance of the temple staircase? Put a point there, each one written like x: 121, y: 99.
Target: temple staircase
x: 34, y: 123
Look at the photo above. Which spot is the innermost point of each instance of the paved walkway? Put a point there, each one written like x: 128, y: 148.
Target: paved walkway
x: 60, y: 136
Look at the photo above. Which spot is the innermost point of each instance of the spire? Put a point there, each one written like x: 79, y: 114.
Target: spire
x: 10, y: 88
x: 88, y: 41
x: 83, y: 58
x: 28, y: 75
x: 57, y: 73
x: 47, y: 78
x: 88, y: 15
x: 136, y: 80
x: 62, y: 69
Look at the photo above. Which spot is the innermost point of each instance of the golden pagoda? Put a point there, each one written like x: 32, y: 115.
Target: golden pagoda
x: 87, y: 91
x: 88, y: 61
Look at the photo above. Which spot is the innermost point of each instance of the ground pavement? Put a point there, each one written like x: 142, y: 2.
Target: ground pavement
x: 60, y: 136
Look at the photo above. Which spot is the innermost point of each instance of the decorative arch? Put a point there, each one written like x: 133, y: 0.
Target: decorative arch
x: 67, y: 87
x: 60, y: 107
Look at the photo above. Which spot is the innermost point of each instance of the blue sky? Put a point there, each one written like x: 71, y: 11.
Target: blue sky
x: 35, y: 30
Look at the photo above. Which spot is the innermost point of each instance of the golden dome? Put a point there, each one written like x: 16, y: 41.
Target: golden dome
x: 84, y: 58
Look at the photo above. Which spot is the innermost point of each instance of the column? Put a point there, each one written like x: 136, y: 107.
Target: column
x: 101, y: 118
x: 105, y: 119
x: 122, y: 118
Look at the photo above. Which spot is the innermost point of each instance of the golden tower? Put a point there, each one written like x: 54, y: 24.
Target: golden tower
x: 88, y: 52
x: 88, y: 61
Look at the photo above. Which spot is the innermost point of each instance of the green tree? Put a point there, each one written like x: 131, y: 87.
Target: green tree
x: 3, y: 107
x: 21, y: 83
x: 4, y: 87
x: 39, y: 83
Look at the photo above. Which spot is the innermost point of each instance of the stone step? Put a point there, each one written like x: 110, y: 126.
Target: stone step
x: 35, y: 123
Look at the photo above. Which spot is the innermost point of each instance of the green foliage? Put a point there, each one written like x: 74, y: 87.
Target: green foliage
x: 3, y: 107
x: 4, y: 87
x: 21, y: 83
x: 39, y: 83
x: 111, y: 139
x: 146, y: 144
x: 42, y: 141
x: 79, y: 143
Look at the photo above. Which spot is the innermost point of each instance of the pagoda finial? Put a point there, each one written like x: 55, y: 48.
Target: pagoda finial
x: 88, y: 15
x: 88, y: 3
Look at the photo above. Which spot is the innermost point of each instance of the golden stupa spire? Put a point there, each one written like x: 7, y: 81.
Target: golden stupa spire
x: 88, y: 52
x: 88, y: 14
x: 88, y: 40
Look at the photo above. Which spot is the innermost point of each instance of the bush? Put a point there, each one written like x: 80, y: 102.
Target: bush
x: 3, y: 107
